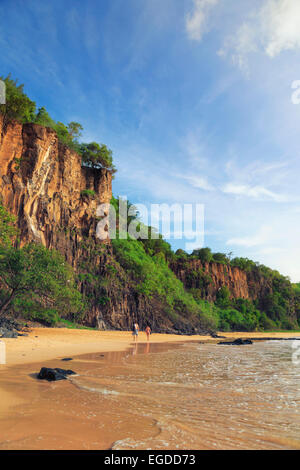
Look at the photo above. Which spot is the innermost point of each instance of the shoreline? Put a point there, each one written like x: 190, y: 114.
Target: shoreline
x: 44, y: 344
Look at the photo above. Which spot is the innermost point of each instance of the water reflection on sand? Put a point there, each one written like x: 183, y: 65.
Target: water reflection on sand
x: 162, y: 396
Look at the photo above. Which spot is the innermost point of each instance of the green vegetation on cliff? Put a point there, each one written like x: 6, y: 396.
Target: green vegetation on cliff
x: 148, y: 262
x: 35, y: 283
x: 153, y: 278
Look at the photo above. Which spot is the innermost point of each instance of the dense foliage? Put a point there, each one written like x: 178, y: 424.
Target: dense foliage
x: 35, y: 282
x: 153, y: 278
x: 277, y: 308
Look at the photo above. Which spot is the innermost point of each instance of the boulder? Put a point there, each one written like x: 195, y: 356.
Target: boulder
x: 9, y: 327
x: 8, y: 333
x: 49, y: 374
x: 237, y: 342
x: 215, y: 335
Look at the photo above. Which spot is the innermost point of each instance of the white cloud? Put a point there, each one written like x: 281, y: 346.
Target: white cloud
x: 281, y: 25
x: 272, y: 244
x: 256, y: 192
x: 199, y: 182
x: 240, y: 45
x: 197, y: 21
x: 271, y: 29
x: 258, y: 239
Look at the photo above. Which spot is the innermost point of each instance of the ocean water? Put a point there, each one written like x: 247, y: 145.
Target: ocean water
x: 203, y: 396
x: 153, y: 396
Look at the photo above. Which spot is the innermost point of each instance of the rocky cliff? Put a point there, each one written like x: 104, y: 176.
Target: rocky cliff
x: 272, y: 294
x: 42, y: 183
x: 210, y: 277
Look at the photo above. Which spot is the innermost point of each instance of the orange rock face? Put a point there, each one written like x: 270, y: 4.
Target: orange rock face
x: 210, y: 277
x: 41, y: 183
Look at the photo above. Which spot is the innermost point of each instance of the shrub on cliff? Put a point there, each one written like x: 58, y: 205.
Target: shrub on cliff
x: 155, y: 246
x: 88, y: 193
x: 243, y: 263
x: 220, y: 258
x: 8, y: 231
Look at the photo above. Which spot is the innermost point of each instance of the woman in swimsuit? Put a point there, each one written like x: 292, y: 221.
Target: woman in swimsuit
x: 148, y: 332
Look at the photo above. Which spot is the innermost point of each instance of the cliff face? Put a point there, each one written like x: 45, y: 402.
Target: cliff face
x: 41, y: 183
x: 206, y: 279
x: 210, y: 277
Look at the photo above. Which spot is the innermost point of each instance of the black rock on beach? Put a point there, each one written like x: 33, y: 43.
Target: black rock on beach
x: 51, y: 375
x: 237, y: 342
x: 9, y: 328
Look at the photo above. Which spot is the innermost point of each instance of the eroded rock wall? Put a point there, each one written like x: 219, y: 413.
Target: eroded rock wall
x: 210, y: 277
x: 42, y: 184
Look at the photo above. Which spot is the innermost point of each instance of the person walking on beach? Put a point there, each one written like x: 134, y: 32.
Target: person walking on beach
x: 148, y: 332
x: 135, y: 331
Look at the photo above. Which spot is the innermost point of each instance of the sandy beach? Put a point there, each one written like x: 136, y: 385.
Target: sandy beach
x: 24, y: 399
x: 43, y: 344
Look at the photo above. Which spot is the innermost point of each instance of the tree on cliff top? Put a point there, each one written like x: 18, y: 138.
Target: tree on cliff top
x: 204, y: 254
x: 97, y: 156
x: 74, y: 129
x: 21, y: 108
x: 43, y: 118
x: 18, y: 106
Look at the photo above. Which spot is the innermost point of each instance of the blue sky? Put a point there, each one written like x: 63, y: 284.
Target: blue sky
x: 194, y: 97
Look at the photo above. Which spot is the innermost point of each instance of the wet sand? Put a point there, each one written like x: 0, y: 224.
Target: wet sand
x: 68, y: 415
x: 43, y: 344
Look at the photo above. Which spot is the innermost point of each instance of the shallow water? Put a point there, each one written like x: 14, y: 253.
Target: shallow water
x: 189, y: 396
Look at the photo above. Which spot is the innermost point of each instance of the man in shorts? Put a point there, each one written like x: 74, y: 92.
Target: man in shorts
x: 135, y: 332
